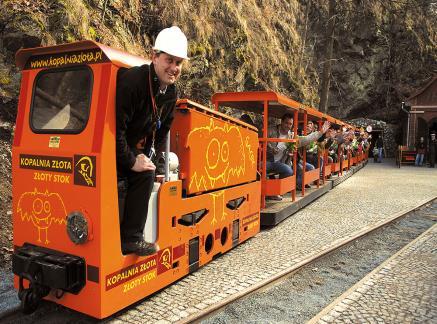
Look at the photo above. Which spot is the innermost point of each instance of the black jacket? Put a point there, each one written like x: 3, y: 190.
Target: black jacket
x: 421, y: 147
x: 379, y: 143
x: 135, y: 118
x: 432, y: 147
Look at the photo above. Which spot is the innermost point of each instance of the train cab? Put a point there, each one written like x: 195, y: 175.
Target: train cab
x: 67, y: 245
x: 209, y: 194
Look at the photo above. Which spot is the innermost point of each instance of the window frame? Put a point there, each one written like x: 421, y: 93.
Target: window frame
x: 32, y: 107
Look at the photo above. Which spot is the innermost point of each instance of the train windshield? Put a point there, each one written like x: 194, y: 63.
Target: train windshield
x: 61, y: 100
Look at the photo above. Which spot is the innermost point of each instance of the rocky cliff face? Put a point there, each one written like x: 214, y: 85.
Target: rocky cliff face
x: 382, y: 49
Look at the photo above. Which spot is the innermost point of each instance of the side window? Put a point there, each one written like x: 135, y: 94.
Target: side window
x: 61, y: 100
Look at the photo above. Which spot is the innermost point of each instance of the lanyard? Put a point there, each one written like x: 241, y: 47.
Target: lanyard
x: 141, y: 143
x: 155, y: 109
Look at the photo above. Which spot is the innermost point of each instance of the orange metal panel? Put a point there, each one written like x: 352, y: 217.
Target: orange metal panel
x: 218, y: 152
x: 345, y: 164
x: 49, y: 177
x: 188, y: 103
x: 160, y: 270
x: 115, y: 56
x: 279, y: 186
x: 311, y: 176
x: 328, y: 169
x: 335, y: 167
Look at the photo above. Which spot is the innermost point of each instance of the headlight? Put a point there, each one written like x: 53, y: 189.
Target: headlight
x: 173, y: 162
x: 77, y: 227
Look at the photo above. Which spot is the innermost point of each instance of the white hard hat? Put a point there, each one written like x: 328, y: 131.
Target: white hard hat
x: 172, y: 41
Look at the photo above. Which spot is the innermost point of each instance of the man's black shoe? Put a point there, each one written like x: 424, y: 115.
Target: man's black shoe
x: 140, y: 248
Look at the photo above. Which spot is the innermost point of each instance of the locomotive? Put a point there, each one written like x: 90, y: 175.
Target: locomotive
x: 65, y: 208
x: 209, y: 194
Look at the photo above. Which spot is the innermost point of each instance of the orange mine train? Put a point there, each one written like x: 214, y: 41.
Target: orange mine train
x: 65, y: 199
x: 211, y: 182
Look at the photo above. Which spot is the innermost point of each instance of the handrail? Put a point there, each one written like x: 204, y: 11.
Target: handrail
x: 277, y: 140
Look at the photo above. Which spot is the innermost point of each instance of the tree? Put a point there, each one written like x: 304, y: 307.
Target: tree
x: 329, y: 45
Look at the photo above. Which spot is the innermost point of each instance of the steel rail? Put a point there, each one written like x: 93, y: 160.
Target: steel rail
x: 358, y: 284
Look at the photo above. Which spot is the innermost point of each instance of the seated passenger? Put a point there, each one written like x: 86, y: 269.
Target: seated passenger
x: 329, y: 140
x: 277, y: 153
x: 279, y: 157
x: 308, y: 167
x: 247, y: 119
x: 311, y: 152
x: 313, y: 140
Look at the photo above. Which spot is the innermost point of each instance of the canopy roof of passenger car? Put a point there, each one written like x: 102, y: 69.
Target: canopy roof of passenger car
x: 278, y: 105
x: 253, y: 101
x: 117, y: 57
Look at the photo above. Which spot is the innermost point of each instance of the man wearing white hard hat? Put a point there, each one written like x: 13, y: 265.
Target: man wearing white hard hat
x: 145, y: 102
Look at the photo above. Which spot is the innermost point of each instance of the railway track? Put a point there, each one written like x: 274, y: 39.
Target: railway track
x: 310, y: 265
x: 52, y: 313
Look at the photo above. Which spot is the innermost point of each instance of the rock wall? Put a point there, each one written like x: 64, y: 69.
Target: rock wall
x: 382, y: 50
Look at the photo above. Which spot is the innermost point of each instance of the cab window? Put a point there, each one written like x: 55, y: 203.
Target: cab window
x: 61, y: 100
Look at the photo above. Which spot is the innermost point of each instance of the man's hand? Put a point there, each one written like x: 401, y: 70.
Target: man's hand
x: 292, y: 149
x: 348, y: 136
x: 275, y: 150
x: 143, y: 163
x: 325, y: 126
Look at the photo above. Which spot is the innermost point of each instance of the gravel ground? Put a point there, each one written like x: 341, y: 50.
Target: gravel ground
x: 8, y: 295
x: 371, y: 196
x: 5, y: 195
x: 302, y: 295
